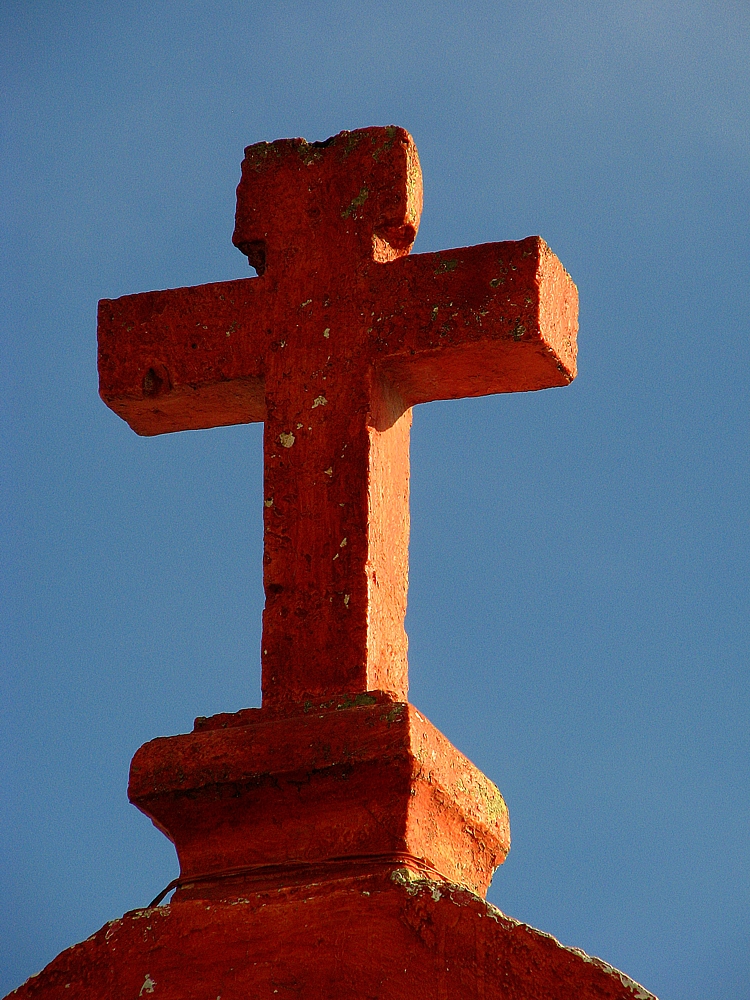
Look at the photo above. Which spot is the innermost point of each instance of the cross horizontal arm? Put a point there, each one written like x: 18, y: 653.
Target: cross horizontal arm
x: 185, y: 358
x: 499, y: 317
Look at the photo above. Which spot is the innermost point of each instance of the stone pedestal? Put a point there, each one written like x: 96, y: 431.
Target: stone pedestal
x: 342, y: 850
x: 348, y: 787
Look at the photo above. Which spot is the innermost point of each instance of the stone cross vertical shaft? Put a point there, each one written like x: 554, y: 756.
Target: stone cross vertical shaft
x: 330, y: 346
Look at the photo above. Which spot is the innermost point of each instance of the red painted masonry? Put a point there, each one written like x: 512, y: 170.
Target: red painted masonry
x: 332, y: 843
x: 331, y: 346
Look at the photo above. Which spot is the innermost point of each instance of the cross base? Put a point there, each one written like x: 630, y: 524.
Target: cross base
x: 350, y: 788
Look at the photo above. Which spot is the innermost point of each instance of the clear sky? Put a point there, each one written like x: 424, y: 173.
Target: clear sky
x: 578, y: 614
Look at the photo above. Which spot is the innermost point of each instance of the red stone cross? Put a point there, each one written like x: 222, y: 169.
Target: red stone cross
x: 330, y: 346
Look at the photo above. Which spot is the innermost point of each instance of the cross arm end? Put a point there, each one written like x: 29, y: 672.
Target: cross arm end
x: 183, y: 359
x: 500, y: 317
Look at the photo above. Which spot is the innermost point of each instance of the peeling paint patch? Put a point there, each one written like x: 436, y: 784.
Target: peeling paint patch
x: 319, y: 401
x: 148, y: 985
x: 445, y: 266
x: 355, y: 204
x: 287, y: 440
x: 111, y: 929
x: 327, y: 332
x: 268, y: 503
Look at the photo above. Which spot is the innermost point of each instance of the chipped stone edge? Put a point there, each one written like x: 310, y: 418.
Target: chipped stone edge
x: 414, y: 884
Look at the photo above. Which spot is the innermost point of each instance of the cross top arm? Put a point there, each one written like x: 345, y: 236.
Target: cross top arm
x: 353, y: 198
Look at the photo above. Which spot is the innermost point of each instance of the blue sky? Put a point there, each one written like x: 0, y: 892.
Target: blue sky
x: 578, y: 613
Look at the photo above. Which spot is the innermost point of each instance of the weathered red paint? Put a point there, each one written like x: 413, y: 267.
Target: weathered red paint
x: 331, y: 843
x: 330, y: 347
x: 386, y: 937
x: 340, y: 788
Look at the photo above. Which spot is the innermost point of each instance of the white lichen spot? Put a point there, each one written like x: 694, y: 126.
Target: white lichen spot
x: 148, y: 985
x: 268, y: 503
x: 305, y: 303
x: 346, y: 600
x: 319, y: 401
x: 287, y: 440
x: 407, y: 880
x: 328, y: 471
x: 327, y: 332
x: 343, y: 543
